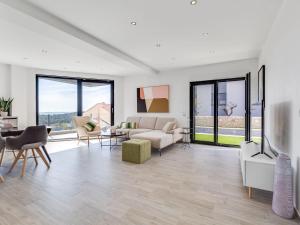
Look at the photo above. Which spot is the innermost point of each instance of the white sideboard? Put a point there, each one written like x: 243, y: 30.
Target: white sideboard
x: 258, y: 171
x: 11, y: 120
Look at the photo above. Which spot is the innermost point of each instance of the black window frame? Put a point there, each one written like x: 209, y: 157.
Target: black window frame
x: 79, y: 92
x: 215, y: 82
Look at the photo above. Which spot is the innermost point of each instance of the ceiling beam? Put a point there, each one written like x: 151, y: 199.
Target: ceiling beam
x: 52, y: 20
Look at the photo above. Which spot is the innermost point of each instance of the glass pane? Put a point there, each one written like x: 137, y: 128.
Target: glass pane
x: 57, y: 103
x: 204, y: 112
x: 256, y: 122
x: 96, y: 102
x: 231, y: 111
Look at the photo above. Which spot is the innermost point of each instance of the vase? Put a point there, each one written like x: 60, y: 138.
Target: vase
x: 282, y: 203
x: 4, y: 114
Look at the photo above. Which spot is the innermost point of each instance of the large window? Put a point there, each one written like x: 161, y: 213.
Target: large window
x: 60, y: 99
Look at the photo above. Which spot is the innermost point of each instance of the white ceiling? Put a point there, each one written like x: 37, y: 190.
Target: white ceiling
x: 96, y: 35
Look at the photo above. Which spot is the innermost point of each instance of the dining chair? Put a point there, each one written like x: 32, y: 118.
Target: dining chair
x: 32, y: 139
x: 2, y: 148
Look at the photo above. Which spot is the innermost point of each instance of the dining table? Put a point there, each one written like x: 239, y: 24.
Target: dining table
x: 15, y: 131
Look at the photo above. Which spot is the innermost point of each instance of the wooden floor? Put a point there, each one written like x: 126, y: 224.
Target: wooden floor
x: 89, y: 187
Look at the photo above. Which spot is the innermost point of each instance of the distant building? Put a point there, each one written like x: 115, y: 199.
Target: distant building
x: 100, y: 113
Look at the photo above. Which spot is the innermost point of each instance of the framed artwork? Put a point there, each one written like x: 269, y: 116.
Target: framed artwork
x: 261, y: 83
x: 153, y: 99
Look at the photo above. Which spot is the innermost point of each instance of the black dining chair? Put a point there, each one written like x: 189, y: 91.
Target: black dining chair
x: 2, y: 149
x: 32, y: 139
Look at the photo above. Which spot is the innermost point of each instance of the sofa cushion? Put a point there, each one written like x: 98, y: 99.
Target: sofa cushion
x: 158, y: 138
x: 161, y: 122
x: 147, y: 122
x: 168, y: 127
x: 138, y: 131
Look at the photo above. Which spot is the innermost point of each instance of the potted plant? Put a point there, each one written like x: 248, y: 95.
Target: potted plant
x: 5, y: 105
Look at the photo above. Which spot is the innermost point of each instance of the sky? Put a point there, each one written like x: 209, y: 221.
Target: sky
x: 55, y: 96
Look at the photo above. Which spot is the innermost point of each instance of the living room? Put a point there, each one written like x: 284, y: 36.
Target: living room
x: 55, y: 63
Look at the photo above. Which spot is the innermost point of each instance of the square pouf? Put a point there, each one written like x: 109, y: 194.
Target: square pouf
x: 136, y: 150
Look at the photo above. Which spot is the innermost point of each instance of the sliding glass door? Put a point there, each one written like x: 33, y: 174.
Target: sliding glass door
x: 218, y: 112
x: 96, y: 102
x: 57, y: 103
x: 203, y: 112
x: 231, y: 112
x: 59, y: 99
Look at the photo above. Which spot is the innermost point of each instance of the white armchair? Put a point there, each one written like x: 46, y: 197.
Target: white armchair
x: 82, y: 133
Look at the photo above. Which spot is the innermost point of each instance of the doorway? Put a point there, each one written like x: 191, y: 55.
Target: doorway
x: 219, y: 111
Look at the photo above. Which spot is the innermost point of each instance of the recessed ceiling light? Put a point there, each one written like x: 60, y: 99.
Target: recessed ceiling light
x: 204, y: 34
x: 133, y: 23
x: 44, y: 51
x: 193, y: 2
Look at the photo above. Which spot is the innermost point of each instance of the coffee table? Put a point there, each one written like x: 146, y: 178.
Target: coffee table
x: 112, y: 135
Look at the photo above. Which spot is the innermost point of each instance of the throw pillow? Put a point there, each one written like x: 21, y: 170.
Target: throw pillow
x: 124, y: 125
x: 168, y: 127
x: 90, y: 126
x: 132, y: 125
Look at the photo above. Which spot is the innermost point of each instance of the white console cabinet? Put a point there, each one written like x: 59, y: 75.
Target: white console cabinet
x: 258, y: 171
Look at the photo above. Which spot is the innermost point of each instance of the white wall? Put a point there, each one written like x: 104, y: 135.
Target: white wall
x: 281, y: 55
x: 19, y: 82
x: 179, y: 81
x: 4, y: 80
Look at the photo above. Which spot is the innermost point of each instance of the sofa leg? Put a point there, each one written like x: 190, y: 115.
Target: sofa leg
x: 159, y: 152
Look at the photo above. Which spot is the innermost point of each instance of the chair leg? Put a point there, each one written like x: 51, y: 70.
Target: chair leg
x: 2, y: 156
x: 1, y: 179
x: 24, y: 163
x: 46, y: 153
x: 34, y: 156
x: 88, y: 141
x: 42, y: 157
x: 16, y: 160
x: 14, y: 153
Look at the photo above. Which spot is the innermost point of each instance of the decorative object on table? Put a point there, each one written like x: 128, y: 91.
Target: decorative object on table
x: 136, y: 151
x: 153, y: 99
x: 31, y: 140
x: 282, y: 203
x: 5, y: 105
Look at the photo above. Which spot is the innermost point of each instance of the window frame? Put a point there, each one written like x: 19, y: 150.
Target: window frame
x: 79, y: 93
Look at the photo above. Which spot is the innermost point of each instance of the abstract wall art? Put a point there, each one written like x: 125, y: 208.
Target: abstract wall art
x: 153, y: 99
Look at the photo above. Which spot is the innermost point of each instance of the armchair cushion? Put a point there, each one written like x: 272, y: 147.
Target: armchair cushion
x: 90, y: 126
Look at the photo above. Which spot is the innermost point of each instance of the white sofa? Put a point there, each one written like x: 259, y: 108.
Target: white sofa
x: 150, y: 128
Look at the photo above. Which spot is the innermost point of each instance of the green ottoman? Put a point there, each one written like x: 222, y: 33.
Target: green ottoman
x: 136, y: 150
